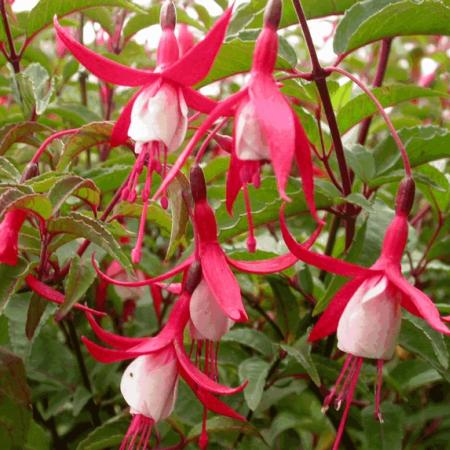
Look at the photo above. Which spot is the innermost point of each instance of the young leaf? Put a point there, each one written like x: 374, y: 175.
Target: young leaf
x: 255, y: 370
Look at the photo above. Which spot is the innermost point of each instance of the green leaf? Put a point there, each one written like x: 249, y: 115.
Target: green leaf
x: 15, y: 399
x: 22, y: 132
x: 361, y: 106
x: 250, y: 338
x: 8, y: 171
x: 387, y: 435
x: 219, y: 424
x: 180, y: 214
x: 79, y: 225
x: 361, y: 162
x: 36, y: 311
x: 301, y: 352
x: 79, y: 279
x: 255, y: 371
x: 235, y: 57
x: 423, y: 144
x: 82, y: 188
x: 14, y: 198
x: 88, y: 136
x: 373, y: 20
x: 110, y: 434
x: 10, y: 277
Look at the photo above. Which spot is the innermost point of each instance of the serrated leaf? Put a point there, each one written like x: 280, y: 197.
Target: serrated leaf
x: 301, y: 352
x: 250, y: 338
x: 88, y: 136
x: 255, y: 371
x: 21, y: 132
x: 82, y: 188
x: 79, y: 225
x: 179, y: 210
x: 361, y: 106
x: 373, y: 20
x: 8, y: 171
x: 14, y: 198
x: 79, y: 279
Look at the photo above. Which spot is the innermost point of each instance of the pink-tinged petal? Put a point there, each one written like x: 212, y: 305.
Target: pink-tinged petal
x: 221, y: 282
x: 234, y: 182
x: 114, y: 340
x: 54, y: 296
x: 422, y: 303
x: 209, y: 401
x: 323, y: 262
x: 106, y: 355
x: 198, y: 377
x: 276, y: 119
x: 197, y: 101
x: 265, y: 266
x: 305, y: 165
x: 223, y: 109
x: 328, y: 322
x: 192, y: 67
x: 157, y: 299
x: 148, y: 281
x: 173, y: 288
x: 446, y: 318
x: 120, y: 131
x: 102, y: 67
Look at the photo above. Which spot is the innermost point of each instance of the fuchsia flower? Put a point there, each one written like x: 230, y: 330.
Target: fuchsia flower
x: 9, y: 236
x: 266, y: 129
x: 156, y: 116
x: 186, y: 39
x: 365, y: 313
x: 149, y: 383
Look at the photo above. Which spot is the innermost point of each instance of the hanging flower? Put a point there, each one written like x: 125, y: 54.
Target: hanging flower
x: 266, y: 129
x: 156, y: 116
x: 168, y: 355
x: 9, y: 236
x: 365, y: 312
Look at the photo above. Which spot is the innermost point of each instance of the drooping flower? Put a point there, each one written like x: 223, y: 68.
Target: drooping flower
x: 156, y: 116
x: 156, y: 358
x: 365, y: 312
x: 266, y: 129
x: 9, y: 236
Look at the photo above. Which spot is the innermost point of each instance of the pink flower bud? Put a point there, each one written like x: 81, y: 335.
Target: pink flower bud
x: 185, y: 38
x: 370, y: 323
x: 206, y: 314
x: 149, y: 385
x: 9, y: 236
x: 159, y: 116
x: 251, y: 144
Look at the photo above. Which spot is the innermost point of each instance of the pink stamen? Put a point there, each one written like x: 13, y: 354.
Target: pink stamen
x: 348, y: 402
x: 251, y: 241
x: 329, y: 398
x: 140, y: 426
x: 378, y: 413
x: 216, y: 361
x: 344, y: 390
x: 203, y: 439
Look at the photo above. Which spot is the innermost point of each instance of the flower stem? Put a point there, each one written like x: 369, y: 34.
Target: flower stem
x: 13, y: 58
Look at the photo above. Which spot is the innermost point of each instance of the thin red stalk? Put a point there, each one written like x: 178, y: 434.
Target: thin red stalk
x: 13, y: 58
x: 48, y: 141
x: 206, y: 142
x: 377, y: 82
x: 383, y: 113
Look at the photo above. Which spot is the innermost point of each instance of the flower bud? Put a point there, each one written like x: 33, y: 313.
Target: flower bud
x: 272, y: 14
x: 168, y: 15
x: 405, y: 196
x: 198, y: 184
x: 31, y: 170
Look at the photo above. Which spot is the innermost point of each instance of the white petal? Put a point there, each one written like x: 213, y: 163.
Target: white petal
x: 149, y: 386
x: 155, y: 118
x: 251, y: 144
x: 206, y: 315
x: 370, y: 323
x: 180, y: 132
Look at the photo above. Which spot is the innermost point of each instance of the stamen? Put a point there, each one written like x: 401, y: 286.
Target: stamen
x: 251, y: 241
x: 216, y: 361
x: 344, y: 390
x: 203, y: 439
x: 348, y: 402
x: 329, y: 398
x: 378, y: 413
x: 164, y: 200
x: 140, y: 426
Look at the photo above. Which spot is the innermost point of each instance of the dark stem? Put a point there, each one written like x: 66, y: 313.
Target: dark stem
x: 93, y: 409
x: 13, y: 58
x: 377, y: 82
